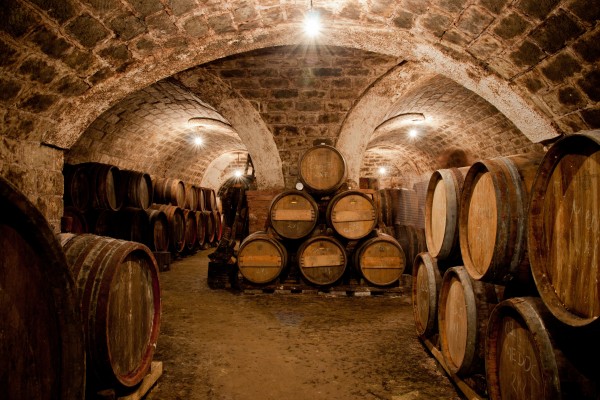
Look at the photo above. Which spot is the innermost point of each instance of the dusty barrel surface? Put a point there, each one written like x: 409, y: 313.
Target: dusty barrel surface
x: 322, y: 169
x: 77, y: 187
x: 352, y: 214
x: 119, y: 292
x: 463, y: 310
x: 191, y: 197
x: 158, y: 231
x: 210, y: 199
x: 169, y: 191
x: 261, y: 258
x: 176, y: 221
x: 104, y: 183
x: 493, y: 218
x: 380, y: 260
x: 42, y: 346
x: 137, y: 189
x: 322, y: 260
x: 200, y: 228
x: 564, y: 229
x: 293, y: 214
x: 427, y: 281
x: 191, y: 229
x: 442, y: 207
x: 525, y: 358
x: 210, y: 224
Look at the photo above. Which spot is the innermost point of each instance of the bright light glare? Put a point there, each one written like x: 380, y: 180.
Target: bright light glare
x: 312, y: 24
x: 413, y: 133
x: 382, y: 171
x: 238, y: 173
x: 198, y: 141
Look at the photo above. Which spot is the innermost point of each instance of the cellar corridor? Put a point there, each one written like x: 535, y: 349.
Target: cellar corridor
x: 218, y: 345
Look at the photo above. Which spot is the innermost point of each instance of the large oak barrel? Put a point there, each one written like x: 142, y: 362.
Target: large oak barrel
x: 463, y: 310
x: 261, y: 258
x: 218, y: 225
x: 493, y: 218
x: 131, y: 224
x: 176, y: 226
x: 564, y: 229
x: 106, y: 190
x: 405, y: 206
x: 137, y: 189
x: 322, y: 260
x: 191, y: 229
x: 200, y: 199
x: 412, y: 241
x: 380, y: 260
x: 119, y: 293
x: 73, y: 221
x: 322, y: 169
x: 200, y: 228
x: 293, y: 214
x: 209, y: 219
x: 191, y: 197
x: 210, y: 199
x: 158, y: 231
x: 101, y: 222
x: 77, y: 187
x: 352, y: 214
x: 169, y: 191
x: 427, y: 281
x: 442, y: 207
x: 386, y: 214
x: 42, y: 346
x: 530, y: 355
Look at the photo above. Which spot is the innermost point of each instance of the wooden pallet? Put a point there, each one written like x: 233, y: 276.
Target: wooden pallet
x: 467, y: 390
x: 138, y: 392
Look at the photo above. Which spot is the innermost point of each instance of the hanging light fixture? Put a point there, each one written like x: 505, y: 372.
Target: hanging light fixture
x: 312, y: 22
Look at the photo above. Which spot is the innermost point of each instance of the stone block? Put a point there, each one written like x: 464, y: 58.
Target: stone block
x: 244, y: 13
x: 146, y: 7
x: 589, y: 47
x: 494, y: 6
x: 196, y: 26
x: 587, y: 10
x: 591, y: 116
x: 161, y: 23
x: 590, y: 84
x: 435, y: 23
x: 564, y: 100
x: 9, y: 55
x: 284, y: 130
x: 484, y: 47
x: 384, y: 8
x: 221, y: 23
x: 527, y: 55
x: 511, y: 26
x: 555, y: 32
x: 79, y: 60
x: 49, y: 43
x: 180, y: 7
x: 103, y: 5
x: 71, y: 86
x: 537, y: 8
x: 274, y: 83
x: 87, y: 30
x: 15, y: 19
x: 453, y: 6
x: 404, y: 20
x: 38, y: 70
x: 284, y: 93
x: 474, y: 20
x: 561, y: 67
x: 117, y: 54
x: 456, y: 37
x: 309, y: 106
x: 9, y: 89
x: 127, y: 26
x: 351, y: 10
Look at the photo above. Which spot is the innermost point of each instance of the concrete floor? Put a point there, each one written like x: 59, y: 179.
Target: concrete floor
x: 219, y: 345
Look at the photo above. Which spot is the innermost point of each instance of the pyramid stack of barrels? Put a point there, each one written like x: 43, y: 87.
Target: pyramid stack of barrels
x: 169, y: 216
x: 323, y: 235
x: 507, y: 296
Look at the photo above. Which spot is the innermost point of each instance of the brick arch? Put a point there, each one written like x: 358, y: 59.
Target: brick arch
x: 222, y: 167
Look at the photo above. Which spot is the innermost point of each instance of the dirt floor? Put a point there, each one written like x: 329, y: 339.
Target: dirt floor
x: 219, y: 345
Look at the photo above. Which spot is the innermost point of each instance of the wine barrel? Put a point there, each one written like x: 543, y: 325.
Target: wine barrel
x: 380, y: 260
x: 119, y: 293
x: 493, y: 218
x: 209, y: 219
x: 218, y: 225
x: 191, y: 199
x: 137, y: 189
x: 200, y: 199
x: 261, y: 258
x: 404, y: 206
x: 191, y: 229
x: 442, y: 207
x: 169, y: 191
x: 293, y: 214
x: 176, y: 226
x: 564, y: 229
x: 102, y: 222
x: 385, y: 207
x: 200, y: 228
x: 131, y: 224
x: 322, y: 169
x: 352, y: 214
x: 530, y: 355
x: 106, y: 190
x: 73, y: 221
x: 427, y: 281
x: 210, y: 199
x: 42, y: 347
x: 412, y: 241
x: 77, y: 187
x: 463, y: 310
x: 158, y: 237
x: 322, y: 260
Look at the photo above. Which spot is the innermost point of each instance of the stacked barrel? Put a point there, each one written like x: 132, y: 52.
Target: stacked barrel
x: 324, y: 234
x: 509, y: 288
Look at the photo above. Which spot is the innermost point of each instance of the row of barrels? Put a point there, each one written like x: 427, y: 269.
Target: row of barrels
x: 79, y: 312
x: 106, y: 187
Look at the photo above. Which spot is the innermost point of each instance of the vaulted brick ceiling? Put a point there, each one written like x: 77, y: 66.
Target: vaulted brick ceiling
x: 117, y: 80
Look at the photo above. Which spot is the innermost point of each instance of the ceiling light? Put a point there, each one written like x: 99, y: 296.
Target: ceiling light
x: 382, y: 171
x: 198, y: 141
x: 312, y: 22
x: 238, y: 173
x: 413, y: 133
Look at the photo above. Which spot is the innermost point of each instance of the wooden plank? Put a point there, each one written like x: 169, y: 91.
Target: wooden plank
x: 353, y: 215
x: 322, y: 260
x: 380, y: 262
x: 261, y: 260
x: 156, y: 370
x: 293, y: 215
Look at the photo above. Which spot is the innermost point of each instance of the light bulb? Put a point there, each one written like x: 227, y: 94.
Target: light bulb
x: 238, y: 173
x: 382, y: 171
x: 198, y: 141
x: 413, y: 133
x: 312, y: 23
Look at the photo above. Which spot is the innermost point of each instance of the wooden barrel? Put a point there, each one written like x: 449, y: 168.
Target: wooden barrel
x: 530, y: 355
x: 191, y: 229
x: 77, y: 187
x: 218, y: 225
x: 380, y: 260
x: 412, y: 241
x: 442, y: 207
x: 210, y: 199
x: 102, y: 222
x: 169, y: 191
x: 73, y: 221
x: 386, y: 215
x: 493, y: 218
x: 158, y: 231
x: 293, y: 214
x: 427, y: 281
x: 42, y: 345
x: 176, y: 226
x: 352, y: 214
x: 261, y: 258
x: 322, y: 260
x: 200, y: 199
x: 209, y: 219
x: 119, y: 292
x: 191, y: 199
x: 564, y: 229
x: 404, y: 206
x: 131, y: 224
x: 463, y: 310
x: 200, y: 228
x: 137, y: 189
x: 322, y: 169
x: 106, y: 190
